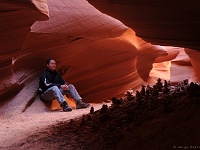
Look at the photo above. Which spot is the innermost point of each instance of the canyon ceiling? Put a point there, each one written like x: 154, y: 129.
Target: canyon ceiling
x: 104, y: 46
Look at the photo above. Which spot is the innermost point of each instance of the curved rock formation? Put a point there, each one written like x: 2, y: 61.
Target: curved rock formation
x: 16, y: 19
x: 173, y: 23
x: 102, y: 56
x: 195, y: 59
x: 165, y: 22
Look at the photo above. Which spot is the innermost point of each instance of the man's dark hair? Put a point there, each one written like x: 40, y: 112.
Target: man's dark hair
x: 48, y: 60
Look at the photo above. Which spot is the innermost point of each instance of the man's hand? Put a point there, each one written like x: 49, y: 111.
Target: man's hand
x: 65, y: 87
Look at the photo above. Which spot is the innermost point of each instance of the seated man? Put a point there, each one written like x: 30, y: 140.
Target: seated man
x: 53, y: 86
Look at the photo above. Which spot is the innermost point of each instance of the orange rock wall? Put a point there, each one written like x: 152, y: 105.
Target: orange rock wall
x: 102, y: 56
x: 16, y: 19
x: 165, y: 22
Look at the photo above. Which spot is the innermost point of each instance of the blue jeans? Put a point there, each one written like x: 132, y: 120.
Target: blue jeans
x: 55, y: 93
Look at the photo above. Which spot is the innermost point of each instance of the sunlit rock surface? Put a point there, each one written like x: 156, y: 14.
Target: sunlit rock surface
x: 195, y: 60
x: 171, y: 23
x: 165, y: 22
x: 102, y: 56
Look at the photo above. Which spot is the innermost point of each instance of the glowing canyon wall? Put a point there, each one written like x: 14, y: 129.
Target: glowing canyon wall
x: 102, y: 56
x: 167, y: 23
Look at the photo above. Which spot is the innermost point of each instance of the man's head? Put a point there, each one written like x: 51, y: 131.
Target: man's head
x: 51, y: 64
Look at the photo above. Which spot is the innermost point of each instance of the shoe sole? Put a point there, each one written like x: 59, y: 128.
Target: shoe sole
x: 83, y: 106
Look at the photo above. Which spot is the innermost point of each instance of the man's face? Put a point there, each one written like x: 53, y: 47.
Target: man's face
x: 52, y: 65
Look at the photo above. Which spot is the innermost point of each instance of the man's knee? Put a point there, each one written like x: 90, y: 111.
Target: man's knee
x: 54, y: 88
x: 70, y: 86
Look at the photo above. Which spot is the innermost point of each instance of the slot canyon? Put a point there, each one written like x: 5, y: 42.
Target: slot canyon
x: 105, y: 48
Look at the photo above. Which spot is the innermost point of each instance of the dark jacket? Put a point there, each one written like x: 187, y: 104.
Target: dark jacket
x: 48, y: 79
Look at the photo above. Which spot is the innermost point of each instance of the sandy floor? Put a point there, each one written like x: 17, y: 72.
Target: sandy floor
x: 19, y: 126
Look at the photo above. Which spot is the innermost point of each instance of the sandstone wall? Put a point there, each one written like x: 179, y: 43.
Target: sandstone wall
x: 102, y: 56
x: 16, y: 19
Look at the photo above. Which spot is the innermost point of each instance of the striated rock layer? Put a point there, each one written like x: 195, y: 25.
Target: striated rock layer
x: 16, y: 19
x: 172, y: 23
x: 102, y: 56
x: 165, y: 22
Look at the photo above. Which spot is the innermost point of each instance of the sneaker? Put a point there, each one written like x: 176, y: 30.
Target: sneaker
x: 67, y: 108
x: 81, y: 105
